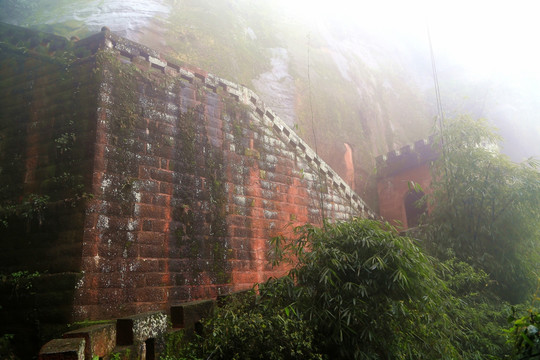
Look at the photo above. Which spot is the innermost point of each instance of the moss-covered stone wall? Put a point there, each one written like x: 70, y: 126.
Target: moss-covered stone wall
x: 133, y: 182
x: 192, y: 177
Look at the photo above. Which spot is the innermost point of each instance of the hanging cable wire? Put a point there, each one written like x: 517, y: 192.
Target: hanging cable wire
x: 440, y: 113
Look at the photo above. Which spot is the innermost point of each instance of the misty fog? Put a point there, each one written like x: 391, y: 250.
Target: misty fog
x: 485, y: 55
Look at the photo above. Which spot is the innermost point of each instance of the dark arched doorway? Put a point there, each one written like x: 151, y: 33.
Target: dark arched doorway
x: 414, y: 208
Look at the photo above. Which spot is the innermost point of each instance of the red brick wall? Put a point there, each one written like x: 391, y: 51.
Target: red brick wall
x: 192, y: 177
x: 161, y: 183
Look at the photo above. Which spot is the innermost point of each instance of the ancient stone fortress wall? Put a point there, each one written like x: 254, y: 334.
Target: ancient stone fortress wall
x: 192, y: 177
x: 133, y: 182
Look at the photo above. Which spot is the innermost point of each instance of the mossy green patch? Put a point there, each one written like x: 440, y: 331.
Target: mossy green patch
x: 202, y: 228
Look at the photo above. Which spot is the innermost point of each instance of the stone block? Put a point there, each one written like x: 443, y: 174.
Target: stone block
x: 245, y: 277
x: 188, y: 314
x: 165, y: 188
x: 151, y: 211
x: 91, y: 297
x: 152, y: 251
x: 157, y: 279
x: 145, y: 265
x: 100, y: 339
x: 110, y: 295
x: 63, y: 349
x: 139, y: 328
x: 150, y: 295
x: 151, y: 238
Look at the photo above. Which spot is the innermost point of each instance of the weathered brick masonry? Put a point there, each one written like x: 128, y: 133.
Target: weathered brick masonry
x: 192, y: 177
x: 167, y: 181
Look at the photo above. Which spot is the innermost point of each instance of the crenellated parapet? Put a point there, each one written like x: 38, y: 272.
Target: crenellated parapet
x: 408, y: 157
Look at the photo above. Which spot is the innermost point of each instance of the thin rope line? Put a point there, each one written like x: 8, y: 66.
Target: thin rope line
x: 440, y: 113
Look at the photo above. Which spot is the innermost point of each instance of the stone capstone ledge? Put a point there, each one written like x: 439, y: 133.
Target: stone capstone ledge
x: 63, y: 349
x: 187, y: 315
x: 141, y: 327
x: 99, y: 339
x: 141, y: 335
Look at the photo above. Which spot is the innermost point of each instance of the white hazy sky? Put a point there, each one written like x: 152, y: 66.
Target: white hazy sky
x: 483, y: 36
x: 493, y: 42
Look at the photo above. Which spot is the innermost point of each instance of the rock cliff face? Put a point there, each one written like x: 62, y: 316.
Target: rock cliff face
x: 134, y: 181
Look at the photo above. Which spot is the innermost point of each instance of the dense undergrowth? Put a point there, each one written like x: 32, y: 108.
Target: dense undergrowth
x: 360, y: 292
x: 459, y: 287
